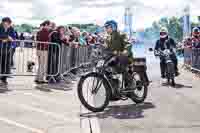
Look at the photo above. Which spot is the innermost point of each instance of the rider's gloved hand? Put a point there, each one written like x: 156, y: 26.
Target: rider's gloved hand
x: 115, y: 52
x: 125, y: 52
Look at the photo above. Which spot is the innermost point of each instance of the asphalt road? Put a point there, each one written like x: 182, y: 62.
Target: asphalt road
x: 29, y: 108
x: 166, y: 110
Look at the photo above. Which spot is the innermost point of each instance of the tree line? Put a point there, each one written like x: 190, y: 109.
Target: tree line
x: 173, y: 24
x: 83, y: 27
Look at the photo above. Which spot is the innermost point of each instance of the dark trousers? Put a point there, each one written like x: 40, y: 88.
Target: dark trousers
x: 12, y: 56
x: 163, y: 66
x: 4, y: 62
x: 73, y: 57
x: 53, y: 63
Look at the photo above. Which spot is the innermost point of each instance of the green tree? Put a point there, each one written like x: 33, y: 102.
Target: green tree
x: 173, y: 24
x: 175, y: 28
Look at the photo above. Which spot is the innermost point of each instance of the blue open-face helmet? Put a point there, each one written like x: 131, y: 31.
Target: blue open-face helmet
x: 111, y: 23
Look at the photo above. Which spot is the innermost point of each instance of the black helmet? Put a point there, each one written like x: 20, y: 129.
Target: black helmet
x: 195, y: 31
x: 6, y: 19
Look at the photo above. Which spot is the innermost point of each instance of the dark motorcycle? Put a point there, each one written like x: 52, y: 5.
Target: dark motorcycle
x: 109, y: 82
x: 170, y: 68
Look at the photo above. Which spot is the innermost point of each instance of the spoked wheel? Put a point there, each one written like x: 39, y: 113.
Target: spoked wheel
x: 140, y: 92
x: 92, y: 92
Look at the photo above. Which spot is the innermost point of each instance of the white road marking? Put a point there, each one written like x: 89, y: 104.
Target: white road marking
x: 16, y: 124
x: 45, y: 98
x: 47, y: 113
x: 95, y: 126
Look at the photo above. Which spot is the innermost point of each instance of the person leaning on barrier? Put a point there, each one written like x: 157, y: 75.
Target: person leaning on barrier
x: 196, y: 37
x: 78, y: 39
x: 58, y: 37
x: 195, y: 48
x: 53, y: 26
x: 42, y: 51
x: 7, y: 36
x: 13, y: 49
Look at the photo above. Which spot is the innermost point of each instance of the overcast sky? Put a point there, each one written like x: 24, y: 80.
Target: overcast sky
x: 93, y: 11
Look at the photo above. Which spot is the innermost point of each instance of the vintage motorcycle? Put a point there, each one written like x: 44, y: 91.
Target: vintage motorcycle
x: 109, y: 83
x: 169, y: 67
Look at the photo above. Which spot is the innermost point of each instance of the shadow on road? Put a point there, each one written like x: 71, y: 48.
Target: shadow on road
x: 50, y: 87
x: 4, y: 89
x: 43, y: 88
x: 132, y: 111
x: 179, y: 86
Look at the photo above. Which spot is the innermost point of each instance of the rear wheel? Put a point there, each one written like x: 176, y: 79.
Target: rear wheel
x: 141, y: 90
x: 93, y: 93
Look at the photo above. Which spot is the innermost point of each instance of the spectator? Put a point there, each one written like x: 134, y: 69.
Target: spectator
x: 90, y: 40
x: 22, y: 36
x: 53, y: 26
x: 78, y: 40
x: 57, y: 37
x: 7, y: 35
x: 14, y: 45
x: 188, y: 42
x: 196, y: 38
x: 42, y: 51
x: 84, y: 35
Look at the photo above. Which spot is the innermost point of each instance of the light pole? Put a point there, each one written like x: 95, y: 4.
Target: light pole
x: 186, y: 22
x: 128, y: 21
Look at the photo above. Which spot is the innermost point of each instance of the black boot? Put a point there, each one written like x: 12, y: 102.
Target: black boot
x: 4, y: 80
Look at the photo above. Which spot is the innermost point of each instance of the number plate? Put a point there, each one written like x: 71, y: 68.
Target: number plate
x: 100, y: 63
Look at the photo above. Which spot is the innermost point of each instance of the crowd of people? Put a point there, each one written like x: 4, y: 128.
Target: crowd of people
x: 190, y: 45
x: 48, y: 55
x: 193, y: 41
x: 61, y: 35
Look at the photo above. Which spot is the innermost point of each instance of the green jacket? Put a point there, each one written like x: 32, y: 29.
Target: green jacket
x: 118, y: 42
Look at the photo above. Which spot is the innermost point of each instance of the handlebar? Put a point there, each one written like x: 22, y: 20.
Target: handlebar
x: 163, y: 53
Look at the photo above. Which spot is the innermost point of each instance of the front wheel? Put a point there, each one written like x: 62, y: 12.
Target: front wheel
x: 93, y: 93
x: 171, y: 74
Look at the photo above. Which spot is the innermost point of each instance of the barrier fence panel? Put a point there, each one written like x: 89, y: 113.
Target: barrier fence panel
x: 29, y: 58
x: 192, y: 58
x: 196, y: 58
x: 73, y: 58
x: 187, y: 56
x: 44, y: 60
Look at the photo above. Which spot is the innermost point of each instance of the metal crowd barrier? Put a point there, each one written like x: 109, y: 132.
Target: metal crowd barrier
x: 29, y: 58
x: 192, y: 58
x: 195, y: 65
x: 45, y: 60
x: 73, y: 59
x: 187, y: 56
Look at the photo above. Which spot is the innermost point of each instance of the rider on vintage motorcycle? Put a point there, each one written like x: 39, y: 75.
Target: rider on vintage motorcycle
x: 165, y: 42
x: 118, y: 43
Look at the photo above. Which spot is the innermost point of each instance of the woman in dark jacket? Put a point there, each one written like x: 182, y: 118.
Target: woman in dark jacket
x: 7, y: 35
x: 54, y: 51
